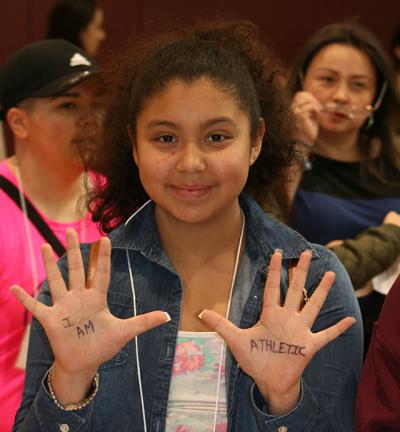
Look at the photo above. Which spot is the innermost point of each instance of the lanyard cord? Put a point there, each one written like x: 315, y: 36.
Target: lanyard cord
x: 28, y: 233
x: 223, y: 348
x: 139, y: 374
x: 226, y: 316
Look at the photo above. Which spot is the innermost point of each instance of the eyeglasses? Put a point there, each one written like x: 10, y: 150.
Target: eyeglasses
x: 353, y: 111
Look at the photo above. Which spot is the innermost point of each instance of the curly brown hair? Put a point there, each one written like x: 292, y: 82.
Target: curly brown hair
x: 232, y: 55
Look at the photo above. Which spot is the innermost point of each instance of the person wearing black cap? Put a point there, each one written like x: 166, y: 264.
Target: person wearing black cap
x: 44, y: 90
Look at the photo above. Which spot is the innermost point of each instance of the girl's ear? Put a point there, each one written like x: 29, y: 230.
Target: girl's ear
x: 18, y: 120
x: 133, y: 141
x: 134, y: 152
x: 256, y: 144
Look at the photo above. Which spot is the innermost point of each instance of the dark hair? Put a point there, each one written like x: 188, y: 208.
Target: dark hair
x: 232, y: 56
x: 68, y: 18
x: 396, y: 44
x: 378, y: 140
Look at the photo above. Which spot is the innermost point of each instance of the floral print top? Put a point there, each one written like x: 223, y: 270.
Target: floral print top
x: 193, y: 391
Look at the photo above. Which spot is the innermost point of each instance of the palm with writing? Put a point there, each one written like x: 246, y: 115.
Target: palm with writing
x: 81, y: 330
x: 278, y: 348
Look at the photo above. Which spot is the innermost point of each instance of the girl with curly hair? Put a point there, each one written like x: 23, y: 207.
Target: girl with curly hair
x: 198, y: 325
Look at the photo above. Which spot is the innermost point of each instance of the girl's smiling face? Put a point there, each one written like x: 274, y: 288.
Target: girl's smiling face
x: 193, y: 148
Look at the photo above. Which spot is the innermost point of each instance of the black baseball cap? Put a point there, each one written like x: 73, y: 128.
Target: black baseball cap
x: 42, y: 69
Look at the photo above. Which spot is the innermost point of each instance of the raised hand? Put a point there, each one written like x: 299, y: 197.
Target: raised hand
x: 306, y: 109
x: 82, y: 332
x: 392, y: 218
x: 278, y: 348
x: 334, y: 243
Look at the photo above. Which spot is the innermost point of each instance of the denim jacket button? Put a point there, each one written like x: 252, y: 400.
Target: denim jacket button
x: 64, y: 428
x: 282, y: 429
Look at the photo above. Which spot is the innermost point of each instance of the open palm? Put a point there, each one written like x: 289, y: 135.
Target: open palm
x: 278, y: 348
x: 81, y: 330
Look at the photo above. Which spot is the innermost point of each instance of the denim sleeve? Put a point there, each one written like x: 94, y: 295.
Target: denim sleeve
x: 328, y: 386
x: 304, y: 417
x: 38, y: 412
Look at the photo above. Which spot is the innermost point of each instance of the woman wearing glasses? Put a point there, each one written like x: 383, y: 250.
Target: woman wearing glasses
x: 348, y: 176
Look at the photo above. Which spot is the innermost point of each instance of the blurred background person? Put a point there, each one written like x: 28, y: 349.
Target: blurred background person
x: 80, y: 22
x: 44, y: 91
x: 348, y: 113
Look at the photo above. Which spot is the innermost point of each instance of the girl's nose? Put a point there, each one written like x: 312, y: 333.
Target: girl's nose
x: 190, y: 158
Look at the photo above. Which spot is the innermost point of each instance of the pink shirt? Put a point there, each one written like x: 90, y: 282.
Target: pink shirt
x: 16, y: 268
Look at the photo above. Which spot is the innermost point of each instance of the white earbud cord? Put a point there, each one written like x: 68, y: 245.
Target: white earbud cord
x: 227, y: 315
x: 222, y: 356
x: 139, y: 374
x: 137, y: 211
x: 137, y: 345
x: 28, y: 234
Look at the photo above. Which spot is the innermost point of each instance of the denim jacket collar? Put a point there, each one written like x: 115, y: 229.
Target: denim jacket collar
x: 263, y: 236
x: 328, y: 384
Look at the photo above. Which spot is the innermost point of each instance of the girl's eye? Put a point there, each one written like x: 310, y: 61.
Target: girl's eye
x: 68, y: 106
x: 166, y: 139
x: 215, y: 138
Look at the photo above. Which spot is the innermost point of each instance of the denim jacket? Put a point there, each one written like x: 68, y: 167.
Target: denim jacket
x: 328, y: 384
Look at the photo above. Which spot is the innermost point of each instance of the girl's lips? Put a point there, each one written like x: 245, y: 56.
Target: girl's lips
x: 191, y: 191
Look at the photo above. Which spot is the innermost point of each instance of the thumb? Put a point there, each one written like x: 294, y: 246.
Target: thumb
x: 228, y: 331
x: 134, y: 326
x: 334, y: 243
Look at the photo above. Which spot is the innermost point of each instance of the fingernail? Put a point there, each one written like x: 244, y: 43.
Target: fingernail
x: 354, y: 320
x: 168, y: 317
x: 201, y: 314
x: 279, y: 250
